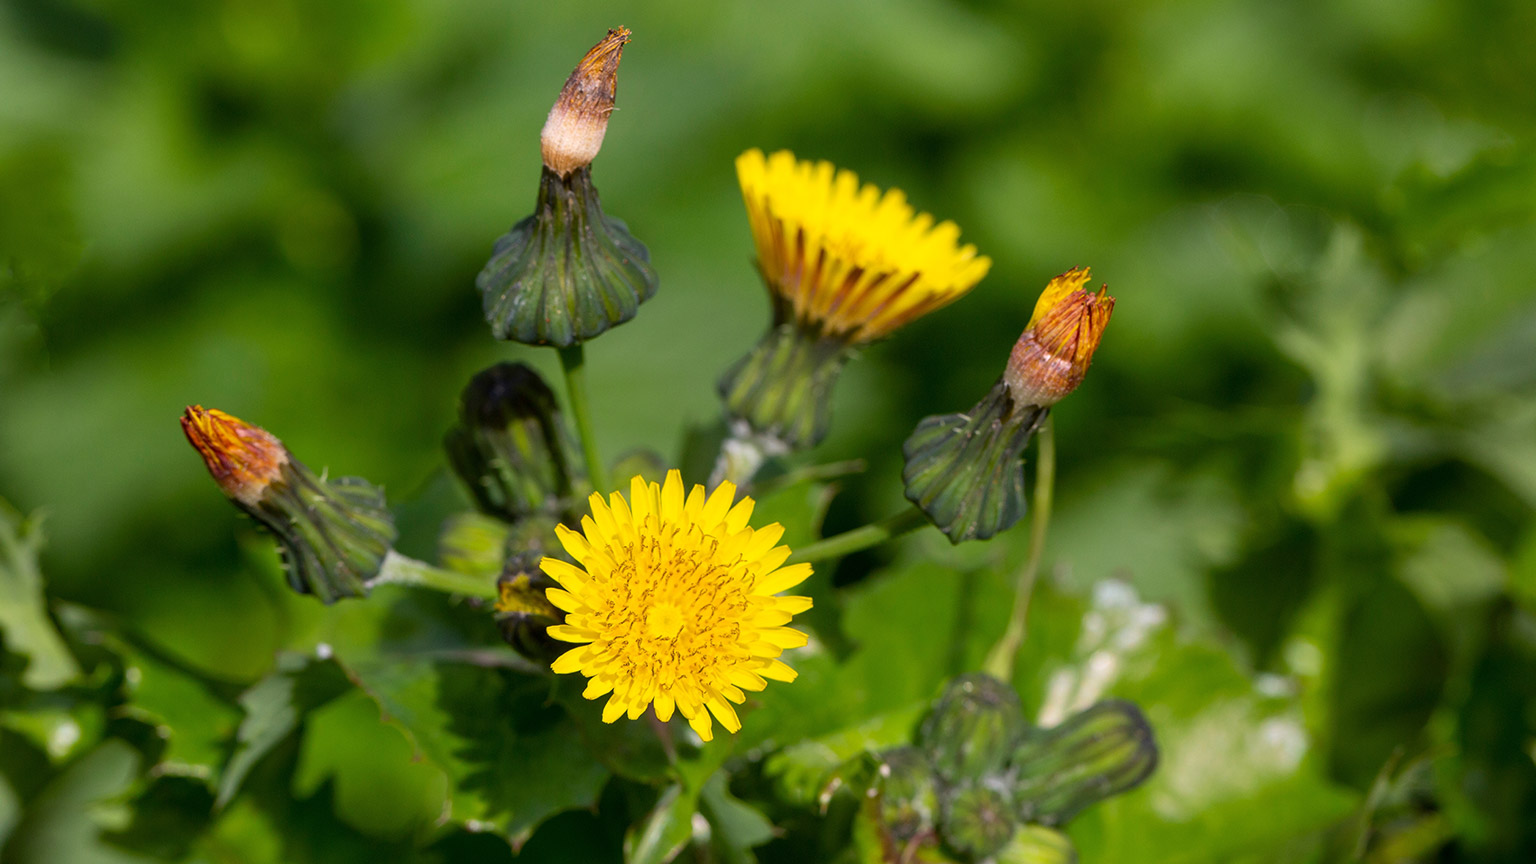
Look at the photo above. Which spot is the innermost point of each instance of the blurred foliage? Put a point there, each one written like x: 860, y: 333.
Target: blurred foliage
x: 1295, y: 495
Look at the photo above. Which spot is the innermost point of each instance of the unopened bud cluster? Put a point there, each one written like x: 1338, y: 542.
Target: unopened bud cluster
x: 983, y: 784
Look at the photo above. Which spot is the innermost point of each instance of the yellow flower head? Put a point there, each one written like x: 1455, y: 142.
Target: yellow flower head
x: 1052, y: 356
x: 243, y: 459
x: 846, y: 260
x: 673, y: 602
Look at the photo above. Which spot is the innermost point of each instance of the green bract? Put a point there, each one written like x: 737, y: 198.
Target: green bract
x: 568, y: 272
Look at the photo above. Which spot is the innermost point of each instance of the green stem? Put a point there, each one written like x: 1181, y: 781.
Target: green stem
x: 402, y: 570
x: 572, y: 363
x: 862, y: 538
x: 999, y: 662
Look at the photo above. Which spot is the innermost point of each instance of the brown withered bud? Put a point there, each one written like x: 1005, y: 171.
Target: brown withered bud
x: 1052, y: 356
x: 574, y: 131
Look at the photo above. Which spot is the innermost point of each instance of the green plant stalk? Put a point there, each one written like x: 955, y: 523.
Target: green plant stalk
x: 573, y: 364
x: 403, y: 570
x: 1000, y: 659
x: 861, y: 538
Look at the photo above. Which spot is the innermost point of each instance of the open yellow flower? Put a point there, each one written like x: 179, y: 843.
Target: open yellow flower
x: 673, y: 602
x: 845, y: 265
x: 848, y: 260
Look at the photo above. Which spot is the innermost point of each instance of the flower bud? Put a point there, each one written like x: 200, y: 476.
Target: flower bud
x: 569, y: 272
x: 1052, y: 356
x: 1095, y: 754
x: 333, y: 534
x: 511, y: 445
x: 523, y: 613
x: 972, y: 728
x: 977, y: 819
x: 964, y: 470
x: 845, y: 265
x: 574, y: 131
x: 906, y: 795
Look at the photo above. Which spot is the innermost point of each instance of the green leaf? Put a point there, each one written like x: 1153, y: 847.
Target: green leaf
x: 194, y: 722
x: 24, y: 620
x: 665, y: 831
x: 274, y: 707
x: 510, y: 756
x: 65, y: 821
x: 379, y: 787
x: 735, y: 827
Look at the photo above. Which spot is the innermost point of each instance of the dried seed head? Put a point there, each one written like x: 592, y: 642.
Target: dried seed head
x: 574, y: 131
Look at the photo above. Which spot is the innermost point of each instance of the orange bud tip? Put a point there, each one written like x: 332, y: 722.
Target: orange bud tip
x: 242, y: 458
x: 574, y: 131
x: 1052, y: 356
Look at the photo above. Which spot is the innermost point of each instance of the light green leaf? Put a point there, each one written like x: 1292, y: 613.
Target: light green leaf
x: 665, y: 831
x: 734, y: 826
x: 64, y: 822
x: 24, y: 619
x: 274, y: 707
x: 510, y: 756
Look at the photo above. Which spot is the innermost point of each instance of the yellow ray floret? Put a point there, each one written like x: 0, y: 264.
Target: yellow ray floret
x: 846, y: 259
x: 672, y: 600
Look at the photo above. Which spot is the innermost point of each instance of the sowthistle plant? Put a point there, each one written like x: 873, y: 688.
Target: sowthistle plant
x: 668, y: 600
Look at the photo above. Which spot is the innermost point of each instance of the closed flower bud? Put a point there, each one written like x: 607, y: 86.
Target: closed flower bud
x: 569, y: 272
x: 977, y: 819
x: 574, y: 131
x: 523, y: 613
x: 511, y: 447
x: 1052, y: 356
x: 973, y: 728
x: 964, y: 471
x: 1095, y: 754
x: 906, y: 795
x: 333, y: 534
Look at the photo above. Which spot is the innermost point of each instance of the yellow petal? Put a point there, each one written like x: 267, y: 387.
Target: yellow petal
x: 782, y: 579
x: 566, y: 633
x: 782, y: 637
x: 717, y: 505
x: 699, y: 720
x: 639, y: 499
x: 779, y: 671
x: 563, y: 572
x: 737, y: 518
x: 563, y: 600
x: 672, y: 497
x: 664, y: 705
x: 724, y: 713
x: 613, y: 710
x: 568, y: 662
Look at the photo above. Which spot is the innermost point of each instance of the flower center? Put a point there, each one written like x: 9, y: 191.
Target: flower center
x: 664, y: 622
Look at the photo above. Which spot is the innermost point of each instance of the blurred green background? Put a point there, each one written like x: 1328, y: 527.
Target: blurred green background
x: 1310, y: 432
